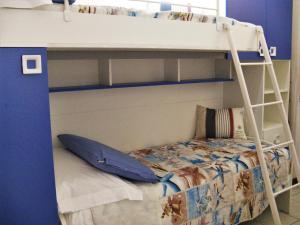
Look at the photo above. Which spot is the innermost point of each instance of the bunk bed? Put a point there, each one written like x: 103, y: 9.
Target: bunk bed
x: 57, y: 27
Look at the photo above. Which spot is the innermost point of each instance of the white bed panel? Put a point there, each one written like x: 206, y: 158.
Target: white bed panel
x: 133, y: 118
x: 24, y: 28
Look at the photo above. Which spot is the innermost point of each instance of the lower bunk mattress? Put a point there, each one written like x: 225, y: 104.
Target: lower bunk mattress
x: 213, y: 181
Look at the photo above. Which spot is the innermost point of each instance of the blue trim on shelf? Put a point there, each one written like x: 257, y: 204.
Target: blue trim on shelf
x: 208, y: 80
x: 140, y: 84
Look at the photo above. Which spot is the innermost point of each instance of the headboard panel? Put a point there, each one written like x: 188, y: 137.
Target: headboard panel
x: 132, y: 118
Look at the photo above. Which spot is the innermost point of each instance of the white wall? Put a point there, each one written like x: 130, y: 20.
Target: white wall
x: 295, y: 84
x: 128, y: 118
x: 132, y: 118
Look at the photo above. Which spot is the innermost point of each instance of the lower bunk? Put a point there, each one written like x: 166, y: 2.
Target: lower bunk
x: 211, y: 181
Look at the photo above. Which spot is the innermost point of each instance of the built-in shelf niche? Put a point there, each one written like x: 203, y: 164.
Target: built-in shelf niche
x: 260, y: 91
x: 282, y: 70
x: 193, y: 70
x: 233, y: 97
x: 131, y: 72
x: 123, y: 73
x: 271, y: 113
x: 272, y: 124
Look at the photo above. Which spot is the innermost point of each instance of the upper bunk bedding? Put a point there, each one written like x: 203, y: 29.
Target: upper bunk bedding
x: 121, y: 11
x: 163, y: 15
x: 214, y: 181
x: 111, y: 28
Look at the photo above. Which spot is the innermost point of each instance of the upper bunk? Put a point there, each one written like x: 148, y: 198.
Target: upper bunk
x: 67, y: 27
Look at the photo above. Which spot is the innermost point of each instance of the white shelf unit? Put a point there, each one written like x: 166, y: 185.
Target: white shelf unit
x: 233, y: 97
x: 103, y: 72
x: 272, y: 127
x: 187, y: 70
x: 260, y: 91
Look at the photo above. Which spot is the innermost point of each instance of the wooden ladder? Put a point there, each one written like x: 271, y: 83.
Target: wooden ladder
x: 250, y: 114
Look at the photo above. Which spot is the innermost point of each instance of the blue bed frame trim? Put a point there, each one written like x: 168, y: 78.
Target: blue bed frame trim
x: 141, y: 84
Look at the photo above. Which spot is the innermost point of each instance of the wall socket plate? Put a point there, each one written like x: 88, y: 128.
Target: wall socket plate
x: 273, y: 51
x: 37, y: 59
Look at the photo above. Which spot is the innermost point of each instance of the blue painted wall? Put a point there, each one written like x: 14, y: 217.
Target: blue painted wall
x: 274, y: 15
x: 279, y: 26
x: 27, y: 188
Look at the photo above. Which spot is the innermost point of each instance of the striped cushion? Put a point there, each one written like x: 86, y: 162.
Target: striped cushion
x: 220, y: 123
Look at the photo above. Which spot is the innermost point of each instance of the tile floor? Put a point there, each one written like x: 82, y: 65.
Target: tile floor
x: 293, y: 218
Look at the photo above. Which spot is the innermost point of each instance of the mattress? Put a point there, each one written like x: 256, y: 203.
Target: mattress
x: 214, y: 181
x: 164, y: 15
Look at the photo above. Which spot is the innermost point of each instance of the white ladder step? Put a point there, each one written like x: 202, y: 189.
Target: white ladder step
x: 267, y: 104
x: 284, y: 144
x: 286, y: 189
x: 256, y: 64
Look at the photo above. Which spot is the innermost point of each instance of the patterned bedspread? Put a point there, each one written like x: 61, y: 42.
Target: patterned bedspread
x: 214, y: 181
x: 164, y: 15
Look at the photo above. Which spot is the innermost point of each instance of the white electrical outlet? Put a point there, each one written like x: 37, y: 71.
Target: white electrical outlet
x: 261, y: 51
x: 37, y: 59
x: 273, y: 51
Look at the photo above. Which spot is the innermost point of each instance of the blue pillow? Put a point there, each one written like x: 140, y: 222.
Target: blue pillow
x: 62, y: 1
x: 107, y: 159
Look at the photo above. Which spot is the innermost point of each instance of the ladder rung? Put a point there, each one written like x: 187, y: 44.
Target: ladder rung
x: 256, y: 64
x: 286, y: 189
x: 267, y: 104
x: 284, y: 144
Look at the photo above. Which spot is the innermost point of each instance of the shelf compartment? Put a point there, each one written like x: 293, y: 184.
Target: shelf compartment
x: 271, y: 113
x: 140, y: 84
x: 271, y: 125
x: 282, y: 71
x: 73, y: 72
x: 270, y: 91
x: 271, y: 98
x: 127, y: 71
x: 108, y: 73
x: 275, y: 135
x: 203, y: 69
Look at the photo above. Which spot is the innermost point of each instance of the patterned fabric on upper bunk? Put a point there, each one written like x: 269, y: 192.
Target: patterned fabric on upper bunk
x: 213, y: 181
x: 164, y: 15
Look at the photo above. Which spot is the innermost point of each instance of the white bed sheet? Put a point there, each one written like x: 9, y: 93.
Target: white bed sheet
x: 69, y: 169
x: 80, y: 186
x: 124, y: 212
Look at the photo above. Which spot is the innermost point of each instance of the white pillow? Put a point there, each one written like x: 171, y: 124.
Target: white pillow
x: 24, y: 3
x: 80, y: 186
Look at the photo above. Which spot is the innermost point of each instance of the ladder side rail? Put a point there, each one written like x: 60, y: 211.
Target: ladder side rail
x: 282, y: 112
x: 250, y: 114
